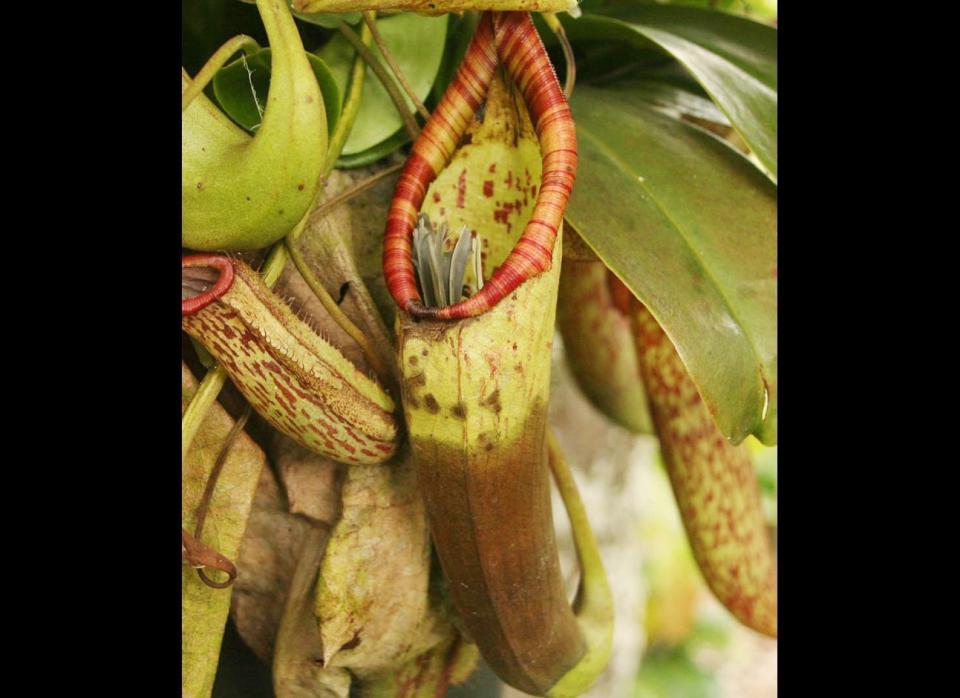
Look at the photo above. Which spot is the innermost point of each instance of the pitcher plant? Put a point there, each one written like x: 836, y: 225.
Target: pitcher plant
x: 421, y: 386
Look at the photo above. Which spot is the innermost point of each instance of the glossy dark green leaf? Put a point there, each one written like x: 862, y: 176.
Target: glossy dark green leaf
x: 241, y: 89
x: 417, y: 44
x: 757, y: 9
x: 689, y: 225
x: 377, y: 152
x: 674, y: 101
x: 750, y: 45
x: 734, y: 59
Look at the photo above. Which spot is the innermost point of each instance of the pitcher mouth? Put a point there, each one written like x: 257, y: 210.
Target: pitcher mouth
x: 204, y: 278
x: 510, y: 39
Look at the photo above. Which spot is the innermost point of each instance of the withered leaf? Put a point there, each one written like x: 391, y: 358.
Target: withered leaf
x: 311, y: 481
x: 283, y: 516
x: 329, y: 242
x: 351, y: 234
x: 273, y: 601
x: 298, y: 667
x: 204, y: 609
x: 373, y: 599
x: 430, y: 674
x: 268, y: 557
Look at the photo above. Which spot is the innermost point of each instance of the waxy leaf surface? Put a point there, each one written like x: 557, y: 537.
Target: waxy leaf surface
x: 733, y: 59
x: 374, y: 153
x: 689, y: 225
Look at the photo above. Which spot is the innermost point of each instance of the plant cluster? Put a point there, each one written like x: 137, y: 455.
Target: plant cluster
x: 380, y: 446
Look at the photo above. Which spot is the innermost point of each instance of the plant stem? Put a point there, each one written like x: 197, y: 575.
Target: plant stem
x: 594, y: 602
x: 347, y: 117
x: 351, y: 106
x: 595, y: 591
x: 272, y: 269
x: 389, y: 85
x: 216, y: 61
x: 355, y: 190
x: 571, y: 77
x: 214, y: 380
x: 206, y: 395
x: 370, y: 17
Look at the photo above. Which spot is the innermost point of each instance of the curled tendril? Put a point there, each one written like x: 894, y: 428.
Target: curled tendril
x: 195, y: 552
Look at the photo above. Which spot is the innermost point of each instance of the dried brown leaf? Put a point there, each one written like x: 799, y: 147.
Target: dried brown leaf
x: 430, y: 674
x: 268, y: 557
x: 304, y: 302
x: 283, y: 516
x: 311, y: 481
x: 352, y: 234
x: 373, y: 600
x: 298, y: 667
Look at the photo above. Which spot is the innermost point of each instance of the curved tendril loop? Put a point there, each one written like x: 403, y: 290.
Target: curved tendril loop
x: 510, y: 38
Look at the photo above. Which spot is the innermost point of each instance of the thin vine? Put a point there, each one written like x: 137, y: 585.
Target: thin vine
x: 339, y: 138
x: 370, y: 18
x: 409, y: 123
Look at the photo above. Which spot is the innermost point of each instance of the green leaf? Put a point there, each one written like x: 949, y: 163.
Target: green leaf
x: 689, y: 225
x: 676, y: 102
x: 761, y: 9
x: 417, y: 44
x: 734, y: 59
x: 377, y: 152
x: 241, y: 89
x: 749, y: 45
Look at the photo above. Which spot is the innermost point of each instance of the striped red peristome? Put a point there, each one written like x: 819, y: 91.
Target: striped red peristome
x: 189, y: 306
x: 430, y: 153
x: 511, y: 38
